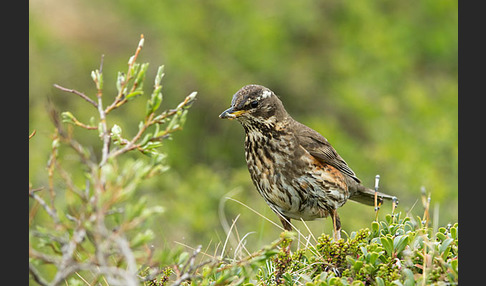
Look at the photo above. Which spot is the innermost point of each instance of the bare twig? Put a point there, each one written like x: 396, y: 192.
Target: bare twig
x: 188, y: 268
x: 105, y: 135
x: 82, y: 95
x: 32, y: 134
x: 51, y: 212
x: 36, y: 275
x: 67, y: 262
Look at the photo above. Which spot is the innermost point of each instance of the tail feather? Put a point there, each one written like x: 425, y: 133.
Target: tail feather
x: 364, y: 195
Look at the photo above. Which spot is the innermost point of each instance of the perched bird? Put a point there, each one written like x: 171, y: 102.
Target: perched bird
x: 293, y: 167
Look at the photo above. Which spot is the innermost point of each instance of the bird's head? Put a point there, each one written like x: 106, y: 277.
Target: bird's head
x: 255, y: 105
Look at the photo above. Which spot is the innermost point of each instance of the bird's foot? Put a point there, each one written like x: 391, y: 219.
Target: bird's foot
x: 333, y: 269
x: 336, y: 234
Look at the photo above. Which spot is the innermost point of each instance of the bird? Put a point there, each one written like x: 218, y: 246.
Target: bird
x: 293, y: 167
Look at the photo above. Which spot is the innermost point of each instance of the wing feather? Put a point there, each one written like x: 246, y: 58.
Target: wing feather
x: 321, y: 149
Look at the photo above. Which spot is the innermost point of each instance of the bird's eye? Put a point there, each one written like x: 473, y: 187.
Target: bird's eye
x: 254, y: 104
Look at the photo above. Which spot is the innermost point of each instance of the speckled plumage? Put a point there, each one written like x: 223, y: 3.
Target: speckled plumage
x: 293, y: 167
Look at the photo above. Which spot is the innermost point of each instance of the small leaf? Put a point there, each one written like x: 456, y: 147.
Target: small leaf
x: 68, y: 117
x: 141, y: 75
x: 399, y: 243
x: 100, y: 80
x: 93, y: 76
x: 453, y: 232
x: 119, y: 81
x: 387, y: 243
x: 183, y: 258
x: 159, y: 76
x: 441, y: 236
x: 454, y: 264
x: 131, y: 60
x: 116, y: 131
x: 145, y: 139
x: 445, y: 244
x: 134, y: 94
x: 373, y: 256
x: 157, y: 98
x: 375, y: 227
x: 350, y: 260
x: 410, y: 279
x: 149, y: 107
x: 357, y: 266
x: 142, y: 238
x: 389, y: 219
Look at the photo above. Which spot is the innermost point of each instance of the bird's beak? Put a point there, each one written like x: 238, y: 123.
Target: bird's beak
x: 230, y: 113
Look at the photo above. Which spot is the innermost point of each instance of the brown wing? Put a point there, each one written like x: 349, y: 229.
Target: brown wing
x: 319, y: 147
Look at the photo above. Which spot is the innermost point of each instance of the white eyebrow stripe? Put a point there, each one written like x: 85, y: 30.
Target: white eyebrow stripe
x: 266, y: 94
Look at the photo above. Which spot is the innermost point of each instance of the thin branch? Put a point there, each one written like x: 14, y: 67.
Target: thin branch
x: 36, y: 275
x: 105, y: 135
x: 130, y: 145
x: 120, y: 98
x: 51, y: 212
x: 66, y: 265
x: 189, y: 266
x: 82, y: 95
x: 32, y: 134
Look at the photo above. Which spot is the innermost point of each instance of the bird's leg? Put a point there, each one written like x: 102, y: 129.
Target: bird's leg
x: 337, y: 225
x: 288, y: 227
x: 285, y: 222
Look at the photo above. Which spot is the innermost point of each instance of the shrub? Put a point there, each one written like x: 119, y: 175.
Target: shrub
x: 97, y: 227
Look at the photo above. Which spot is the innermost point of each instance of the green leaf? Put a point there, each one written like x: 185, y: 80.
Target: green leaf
x: 120, y: 80
x: 159, y: 76
x: 373, y: 256
x: 156, y: 98
x: 145, y: 139
x: 350, y: 260
x: 409, y: 279
x: 100, y: 80
x: 380, y: 281
x: 132, y: 71
x: 444, y: 247
x: 141, y: 75
x: 441, y: 236
x: 134, y: 94
x: 357, y: 266
x: 454, y: 264
x: 152, y: 145
x: 142, y: 238
x: 389, y: 219
x: 148, y: 108
x: 68, y: 117
x: 97, y: 78
x: 399, y: 243
x: 93, y: 76
x: 387, y: 243
x: 116, y: 131
x: 134, y: 210
x: 453, y: 232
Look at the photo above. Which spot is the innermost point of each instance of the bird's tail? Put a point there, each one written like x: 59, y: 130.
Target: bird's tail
x: 364, y: 195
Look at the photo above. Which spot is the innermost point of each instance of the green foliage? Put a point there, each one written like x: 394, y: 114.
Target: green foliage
x: 396, y: 251
x: 100, y: 229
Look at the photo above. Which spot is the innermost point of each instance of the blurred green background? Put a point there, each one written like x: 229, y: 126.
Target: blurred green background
x: 377, y: 78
